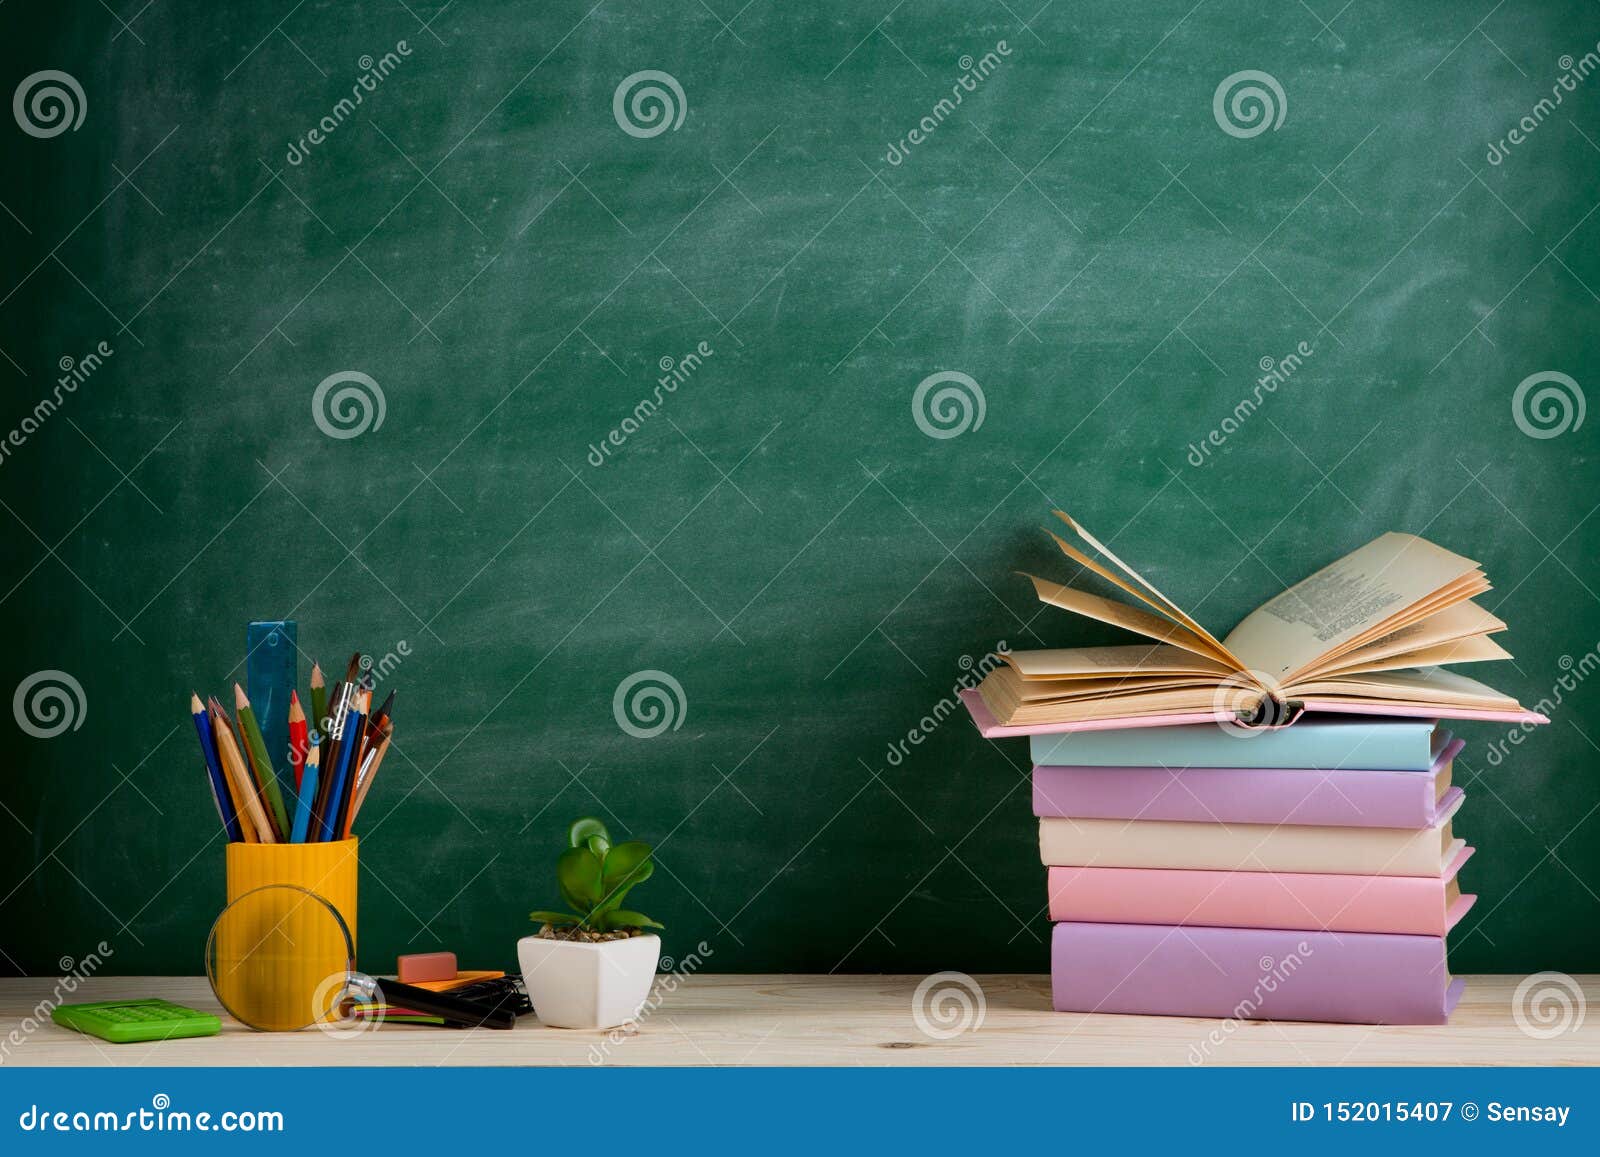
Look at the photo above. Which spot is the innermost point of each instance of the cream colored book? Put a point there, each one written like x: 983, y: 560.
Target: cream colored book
x: 1343, y: 851
x: 1365, y: 634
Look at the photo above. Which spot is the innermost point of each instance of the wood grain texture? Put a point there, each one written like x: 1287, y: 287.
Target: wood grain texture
x: 832, y: 1020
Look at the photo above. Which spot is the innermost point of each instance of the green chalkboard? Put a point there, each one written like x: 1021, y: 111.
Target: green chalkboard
x: 751, y: 345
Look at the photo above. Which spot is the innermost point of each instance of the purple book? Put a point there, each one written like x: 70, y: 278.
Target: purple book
x: 1343, y: 798
x: 1251, y: 974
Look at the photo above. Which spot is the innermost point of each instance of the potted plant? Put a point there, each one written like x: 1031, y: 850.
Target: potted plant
x: 592, y: 967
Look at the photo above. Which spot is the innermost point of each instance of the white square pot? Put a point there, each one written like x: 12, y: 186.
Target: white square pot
x: 577, y: 985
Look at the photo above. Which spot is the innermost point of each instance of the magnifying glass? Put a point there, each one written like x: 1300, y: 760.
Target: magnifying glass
x: 280, y: 958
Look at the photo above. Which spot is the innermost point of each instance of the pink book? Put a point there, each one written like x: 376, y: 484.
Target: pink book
x: 990, y: 728
x: 1251, y: 974
x: 1407, y: 905
x: 1343, y: 798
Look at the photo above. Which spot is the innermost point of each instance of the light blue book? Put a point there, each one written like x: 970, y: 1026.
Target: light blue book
x: 1359, y: 743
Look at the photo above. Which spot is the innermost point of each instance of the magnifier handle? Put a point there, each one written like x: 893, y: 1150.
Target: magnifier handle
x: 464, y: 1012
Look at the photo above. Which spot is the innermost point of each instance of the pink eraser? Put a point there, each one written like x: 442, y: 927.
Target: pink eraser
x: 427, y: 966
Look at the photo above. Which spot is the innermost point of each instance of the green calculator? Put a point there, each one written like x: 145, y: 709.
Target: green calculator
x: 126, y: 1021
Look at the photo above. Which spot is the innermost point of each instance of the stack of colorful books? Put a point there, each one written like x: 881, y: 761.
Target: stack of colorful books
x: 1259, y: 827
x: 1307, y: 873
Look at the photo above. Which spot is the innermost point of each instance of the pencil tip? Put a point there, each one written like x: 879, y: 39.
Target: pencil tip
x: 240, y: 699
x: 194, y: 704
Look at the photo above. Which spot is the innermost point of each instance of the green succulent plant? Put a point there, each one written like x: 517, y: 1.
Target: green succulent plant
x: 595, y: 876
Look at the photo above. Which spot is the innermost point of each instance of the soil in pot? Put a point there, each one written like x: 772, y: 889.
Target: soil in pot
x: 585, y: 935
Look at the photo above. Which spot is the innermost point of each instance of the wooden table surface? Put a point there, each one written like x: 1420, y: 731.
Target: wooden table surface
x: 821, y: 1020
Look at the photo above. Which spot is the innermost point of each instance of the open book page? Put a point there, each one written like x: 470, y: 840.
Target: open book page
x: 1104, y: 662
x: 1122, y: 615
x: 1345, y: 600
x: 1475, y: 649
x: 1010, y: 698
x: 1455, y: 593
x: 1066, y: 690
x: 1450, y: 625
x: 1158, y: 600
x: 1427, y: 686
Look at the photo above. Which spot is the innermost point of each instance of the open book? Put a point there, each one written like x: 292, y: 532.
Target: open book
x: 1366, y: 634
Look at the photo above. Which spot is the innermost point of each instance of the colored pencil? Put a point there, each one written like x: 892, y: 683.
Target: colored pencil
x: 381, y: 715
x: 252, y: 791
x: 247, y: 831
x: 308, y: 789
x: 258, y: 829
x: 332, y: 744
x: 369, y: 772
x: 349, y: 743
x: 299, y: 739
x: 260, y: 762
x: 220, y: 791
x: 319, y: 701
x: 359, y: 744
x: 247, y: 827
x: 377, y: 723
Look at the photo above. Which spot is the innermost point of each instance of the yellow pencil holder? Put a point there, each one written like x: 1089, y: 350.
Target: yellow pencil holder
x: 284, y: 945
